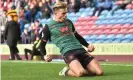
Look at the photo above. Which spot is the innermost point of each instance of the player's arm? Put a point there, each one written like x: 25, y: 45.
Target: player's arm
x: 45, y: 37
x: 79, y: 37
x: 42, y: 49
x: 82, y: 40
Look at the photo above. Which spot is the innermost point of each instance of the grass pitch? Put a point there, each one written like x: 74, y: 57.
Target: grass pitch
x: 38, y: 70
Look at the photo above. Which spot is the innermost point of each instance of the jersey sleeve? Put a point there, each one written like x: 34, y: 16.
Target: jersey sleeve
x: 45, y: 36
x: 79, y: 37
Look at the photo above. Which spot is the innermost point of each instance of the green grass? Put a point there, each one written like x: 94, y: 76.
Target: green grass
x: 23, y: 70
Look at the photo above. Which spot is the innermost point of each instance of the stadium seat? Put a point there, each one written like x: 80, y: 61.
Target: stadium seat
x: 90, y: 32
x: 94, y: 17
x: 106, y: 31
x: 120, y: 11
x: 104, y: 12
x: 77, y: 23
x: 109, y: 16
x: 131, y: 26
x: 123, y: 31
x: 130, y: 15
x: 102, y: 37
x: 128, y: 11
x: 98, y: 22
x: 99, y: 31
x: 124, y: 15
x: 101, y: 27
x: 98, y: 41
x: 27, y: 26
x: 116, y: 26
x: 93, y: 27
x: 101, y: 17
x: 88, y: 9
x: 78, y: 14
x: 110, y: 37
x: 93, y: 37
x: 127, y: 26
x: 107, y: 21
x: 116, y: 16
x: 86, y: 37
x: 81, y: 9
x: 84, y: 23
x: 121, y: 21
x: 84, y: 14
x: 74, y: 19
x: 90, y: 22
x: 107, y: 41
x: 109, y: 26
x: 128, y: 36
x: 81, y: 19
x: 126, y: 41
x: 92, y: 9
x: 113, y: 21
x: 130, y: 31
x: 91, y: 41
x: 82, y: 32
x: 88, y: 18
x: 72, y: 14
x: 90, y: 13
x: 116, y: 41
x: 78, y: 27
x: 43, y: 21
x: 131, y: 41
x: 129, y: 21
x: 86, y: 27
x: 119, y: 36
x: 114, y: 31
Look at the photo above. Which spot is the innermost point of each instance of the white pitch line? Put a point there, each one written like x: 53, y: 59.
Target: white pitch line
x: 62, y: 62
x: 58, y: 62
x: 109, y: 64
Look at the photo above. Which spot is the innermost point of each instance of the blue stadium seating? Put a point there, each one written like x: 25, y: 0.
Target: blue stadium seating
x: 119, y: 36
x: 113, y: 31
x: 27, y: 26
x: 111, y: 36
x: 116, y: 41
x: 102, y: 37
x: 126, y: 41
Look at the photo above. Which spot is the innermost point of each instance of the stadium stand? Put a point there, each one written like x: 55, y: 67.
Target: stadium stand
x: 105, y: 28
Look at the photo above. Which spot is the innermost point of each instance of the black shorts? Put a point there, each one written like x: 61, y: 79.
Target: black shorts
x: 78, y: 54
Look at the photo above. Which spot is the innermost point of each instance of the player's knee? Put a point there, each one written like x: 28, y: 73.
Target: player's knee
x: 99, y: 73
x: 80, y: 73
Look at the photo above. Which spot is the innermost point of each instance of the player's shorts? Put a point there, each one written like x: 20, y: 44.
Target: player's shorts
x: 36, y: 52
x: 78, y: 54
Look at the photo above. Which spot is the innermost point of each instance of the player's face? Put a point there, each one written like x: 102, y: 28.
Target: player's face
x: 61, y: 15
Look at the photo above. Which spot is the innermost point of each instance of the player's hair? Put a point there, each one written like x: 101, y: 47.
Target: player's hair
x: 59, y: 5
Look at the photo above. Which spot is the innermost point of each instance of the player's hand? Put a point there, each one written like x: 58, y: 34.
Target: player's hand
x: 48, y: 58
x: 91, y: 48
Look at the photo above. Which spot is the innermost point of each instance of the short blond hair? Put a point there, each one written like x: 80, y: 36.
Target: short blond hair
x: 59, y: 5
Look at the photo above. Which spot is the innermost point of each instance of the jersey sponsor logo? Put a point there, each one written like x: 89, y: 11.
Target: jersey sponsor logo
x: 64, y: 29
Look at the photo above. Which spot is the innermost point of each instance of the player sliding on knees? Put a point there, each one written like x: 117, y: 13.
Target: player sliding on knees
x: 62, y: 33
